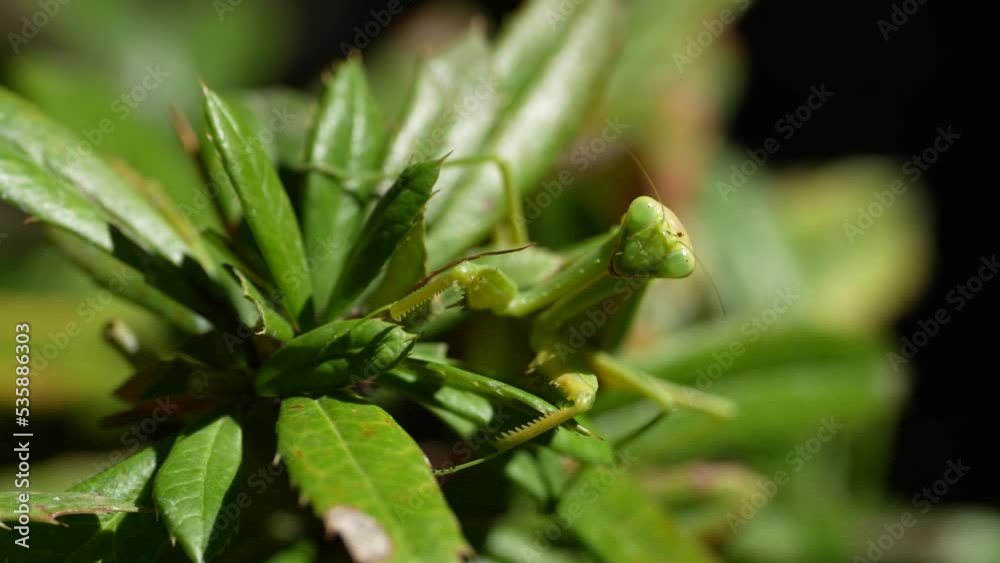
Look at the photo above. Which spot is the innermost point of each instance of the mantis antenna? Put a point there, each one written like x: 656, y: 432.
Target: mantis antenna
x: 472, y: 257
x: 708, y: 276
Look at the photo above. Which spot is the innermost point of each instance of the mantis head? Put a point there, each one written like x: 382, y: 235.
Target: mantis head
x: 652, y: 243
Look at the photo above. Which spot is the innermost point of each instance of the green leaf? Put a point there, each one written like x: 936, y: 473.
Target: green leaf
x: 272, y: 322
x: 368, y: 481
x: 643, y: 80
x: 33, y: 147
x: 89, y: 538
x: 749, y: 276
x: 540, y: 120
x: 392, y: 218
x: 302, y: 552
x: 407, y: 266
x: 280, y: 119
x: 121, y: 279
x: 127, y: 480
x: 47, y: 507
x: 700, y: 355
x: 426, y: 119
x: 866, y: 277
x: 523, y: 536
x: 611, y: 514
x: 538, y: 471
x: 777, y: 408
x: 473, y: 411
x: 267, y: 209
x: 366, y: 348
x: 117, y: 131
x: 528, y: 39
x: 188, y: 283
x: 165, y: 207
x: 348, y: 137
x: 219, y: 188
x: 231, y: 286
x: 194, y: 485
x: 241, y: 254
x: 452, y: 108
x: 41, y: 194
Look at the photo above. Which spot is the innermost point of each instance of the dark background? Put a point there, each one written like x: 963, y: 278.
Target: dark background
x: 891, y: 96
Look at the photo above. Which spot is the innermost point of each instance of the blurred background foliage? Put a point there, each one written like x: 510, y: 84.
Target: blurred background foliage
x: 779, y: 233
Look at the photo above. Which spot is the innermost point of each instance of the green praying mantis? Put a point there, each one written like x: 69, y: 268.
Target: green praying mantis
x: 649, y: 243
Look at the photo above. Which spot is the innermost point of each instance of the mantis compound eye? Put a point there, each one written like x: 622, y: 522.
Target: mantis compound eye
x: 652, y: 243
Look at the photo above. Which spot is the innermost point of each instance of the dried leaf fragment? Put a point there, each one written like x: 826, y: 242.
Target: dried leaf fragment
x: 364, y: 537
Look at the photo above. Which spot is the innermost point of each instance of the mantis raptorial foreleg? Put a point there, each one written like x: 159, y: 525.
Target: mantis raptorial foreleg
x: 579, y: 391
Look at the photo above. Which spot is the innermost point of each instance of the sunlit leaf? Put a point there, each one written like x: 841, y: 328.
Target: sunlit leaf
x: 367, y: 480
x: 194, y: 484
x: 266, y: 206
x: 348, y: 137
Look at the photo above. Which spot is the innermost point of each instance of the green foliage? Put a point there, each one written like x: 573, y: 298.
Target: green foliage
x: 348, y: 136
x: 265, y: 204
x: 271, y: 248
x: 367, y: 480
x: 47, y: 507
x: 195, y: 484
x: 394, y: 215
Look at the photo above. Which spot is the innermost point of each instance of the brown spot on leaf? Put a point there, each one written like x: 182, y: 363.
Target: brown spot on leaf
x: 297, y: 453
x: 363, y: 536
x: 295, y: 407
